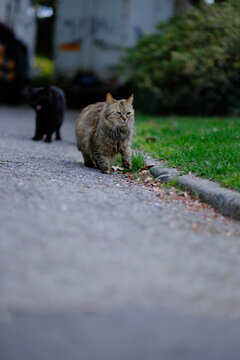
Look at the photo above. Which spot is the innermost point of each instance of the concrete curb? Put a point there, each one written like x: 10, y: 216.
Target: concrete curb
x: 226, y: 201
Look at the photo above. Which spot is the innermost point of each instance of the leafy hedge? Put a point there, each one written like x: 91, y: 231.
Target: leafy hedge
x: 43, y: 70
x: 191, y: 65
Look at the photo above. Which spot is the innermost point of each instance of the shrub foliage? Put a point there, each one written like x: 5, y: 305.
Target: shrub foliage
x: 191, y: 65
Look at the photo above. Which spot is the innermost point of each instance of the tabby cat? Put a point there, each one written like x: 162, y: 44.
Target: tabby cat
x: 105, y: 129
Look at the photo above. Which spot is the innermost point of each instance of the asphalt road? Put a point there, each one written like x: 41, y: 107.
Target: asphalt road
x: 95, y: 266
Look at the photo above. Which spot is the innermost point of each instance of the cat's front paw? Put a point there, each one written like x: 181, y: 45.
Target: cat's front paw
x: 105, y: 171
x: 127, y: 165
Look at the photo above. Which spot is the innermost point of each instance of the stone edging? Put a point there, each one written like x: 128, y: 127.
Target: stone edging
x: 226, y: 201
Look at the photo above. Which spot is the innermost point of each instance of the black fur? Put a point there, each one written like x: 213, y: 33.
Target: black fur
x: 50, y: 105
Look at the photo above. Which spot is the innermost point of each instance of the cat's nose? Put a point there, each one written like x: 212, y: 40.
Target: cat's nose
x: 124, y: 117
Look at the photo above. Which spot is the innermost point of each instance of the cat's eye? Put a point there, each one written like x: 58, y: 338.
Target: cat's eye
x: 119, y: 113
x: 128, y: 113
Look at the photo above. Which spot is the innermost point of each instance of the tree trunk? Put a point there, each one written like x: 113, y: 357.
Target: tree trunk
x: 180, y: 6
x: 197, y: 2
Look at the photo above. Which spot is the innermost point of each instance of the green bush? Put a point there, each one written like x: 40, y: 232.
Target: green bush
x: 43, y: 71
x: 191, y: 65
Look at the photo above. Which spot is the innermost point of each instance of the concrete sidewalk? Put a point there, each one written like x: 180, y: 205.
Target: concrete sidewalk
x: 84, y: 256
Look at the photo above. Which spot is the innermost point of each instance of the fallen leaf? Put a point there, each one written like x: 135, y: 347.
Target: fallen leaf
x: 148, y: 179
x: 184, y: 194
x: 151, y: 139
x: 144, y: 174
x: 143, y: 168
x: 117, y: 168
x: 150, y: 165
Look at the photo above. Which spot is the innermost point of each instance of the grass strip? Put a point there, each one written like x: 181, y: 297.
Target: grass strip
x: 207, y: 147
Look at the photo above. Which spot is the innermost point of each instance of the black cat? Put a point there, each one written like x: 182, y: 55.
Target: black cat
x: 50, y: 105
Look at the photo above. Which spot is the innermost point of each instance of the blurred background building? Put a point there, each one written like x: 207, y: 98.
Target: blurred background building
x: 17, y: 46
x: 75, y: 43
x: 19, y: 17
x: 90, y: 37
x: 90, y: 34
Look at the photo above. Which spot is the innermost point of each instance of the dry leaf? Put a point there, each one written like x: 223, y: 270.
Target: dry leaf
x: 148, y: 179
x: 150, y: 165
x: 117, y: 168
x: 143, y: 168
x: 151, y: 139
x: 195, y: 226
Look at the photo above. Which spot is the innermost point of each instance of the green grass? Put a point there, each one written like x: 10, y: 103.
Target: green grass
x: 208, y: 147
x: 137, y: 162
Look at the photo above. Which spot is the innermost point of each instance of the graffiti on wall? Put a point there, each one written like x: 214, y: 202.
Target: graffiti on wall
x: 108, y: 31
x: 88, y: 25
x: 70, y: 46
x: 83, y: 28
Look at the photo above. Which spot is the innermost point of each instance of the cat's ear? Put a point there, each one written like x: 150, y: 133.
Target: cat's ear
x: 109, y: 99
x: 130, y: 99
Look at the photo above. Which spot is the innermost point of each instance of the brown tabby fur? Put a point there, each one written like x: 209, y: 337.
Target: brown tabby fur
x: 105, y: 129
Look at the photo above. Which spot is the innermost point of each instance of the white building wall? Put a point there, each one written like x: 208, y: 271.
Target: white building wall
x: 7, y: 11
x: 90, y: 34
